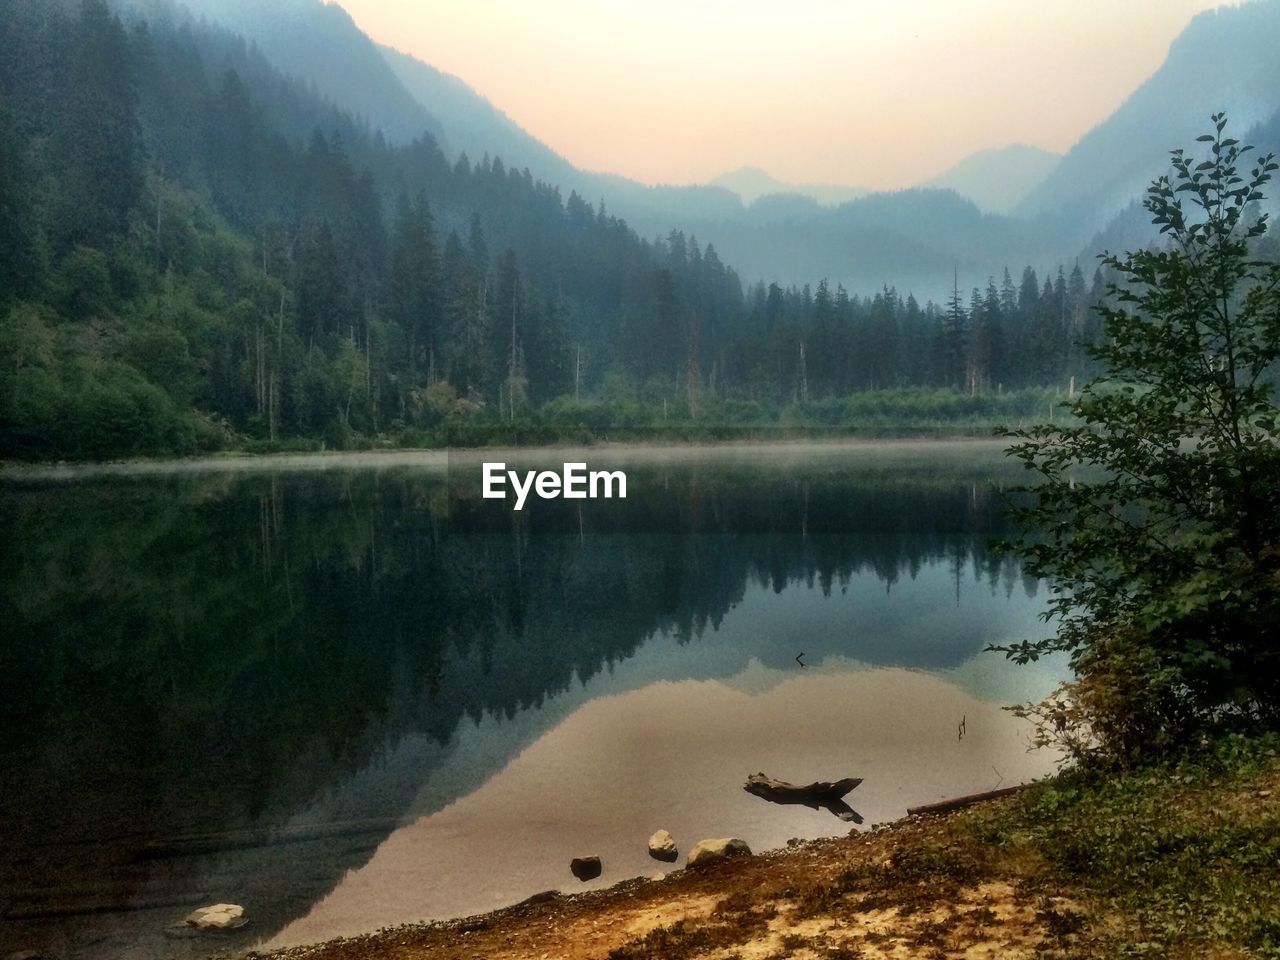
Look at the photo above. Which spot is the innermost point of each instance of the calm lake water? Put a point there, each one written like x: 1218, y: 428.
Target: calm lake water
x: 351, y: 693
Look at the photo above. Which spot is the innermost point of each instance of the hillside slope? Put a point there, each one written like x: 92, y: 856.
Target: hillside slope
x: 319, y: 44
x: 753, y: 184
x: 1225, y: 60
x: 997, y: 180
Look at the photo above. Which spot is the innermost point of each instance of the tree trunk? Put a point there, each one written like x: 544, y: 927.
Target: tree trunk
x: 819, y: 795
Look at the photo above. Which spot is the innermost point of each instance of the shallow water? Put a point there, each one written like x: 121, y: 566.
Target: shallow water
x: 355, y: 694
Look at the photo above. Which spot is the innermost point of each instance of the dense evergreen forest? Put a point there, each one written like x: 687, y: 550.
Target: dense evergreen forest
x: 197, y: 252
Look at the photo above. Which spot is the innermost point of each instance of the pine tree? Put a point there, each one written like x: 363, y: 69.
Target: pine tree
x: 1077, y: 310
x: 474, y: 344
x: 953, y: 338
x: 18, y: 266
x: 881, y: 341
x: 994, y: 335
x: 664, y: 348
x: 915, y: 352
x: 978, y: 353
x: 323, y: 299
x: 464, y: 341
x: 231, y: 136
x: 414, y: 295
x: 1025, y: 336
x: 506, y: 341
x: 547, y: 355
x: 98, y: 141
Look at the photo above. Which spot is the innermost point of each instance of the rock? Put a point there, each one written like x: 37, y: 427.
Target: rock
x: 27, y: 955
x: 219, y: 917
x: 585, y: 868
x: 546, y: 896
x: 662, y: 846
x: 708, y: 851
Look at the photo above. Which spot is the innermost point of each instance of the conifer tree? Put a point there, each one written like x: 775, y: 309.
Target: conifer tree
x: 17, y: 254
x: 414, y: 296
x: 98, y: 140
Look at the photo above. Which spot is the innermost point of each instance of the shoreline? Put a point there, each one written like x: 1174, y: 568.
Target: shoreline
x: 1001, y: 878
x: 567, y: 924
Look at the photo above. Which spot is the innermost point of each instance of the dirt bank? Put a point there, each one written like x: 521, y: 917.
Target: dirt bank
x: 751, y: 908
x: 1172, y: 863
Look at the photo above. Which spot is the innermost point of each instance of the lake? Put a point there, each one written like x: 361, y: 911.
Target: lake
x: 348, y: 692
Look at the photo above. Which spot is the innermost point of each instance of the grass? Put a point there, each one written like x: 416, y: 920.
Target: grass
x: 1186, y: 855
x: 1180, y: 859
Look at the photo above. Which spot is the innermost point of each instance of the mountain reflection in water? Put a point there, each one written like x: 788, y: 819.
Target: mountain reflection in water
x: 341, y: 697
x: 674, y: 756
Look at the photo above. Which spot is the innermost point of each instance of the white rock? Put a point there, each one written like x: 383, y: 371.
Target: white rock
x: 662, y: 846
x: 220, y: 916
x: 708, y: 851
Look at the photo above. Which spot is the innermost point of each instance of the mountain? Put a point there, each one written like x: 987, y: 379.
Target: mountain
x: 1131, y: 228
x: 472, y: 124
x: 796, y: 233
x: 752, y: 183
x: 769, y: 229
x: 318, y: 43
x: 1224, y: 60
x: 303, y: 213
x: 1018, y: 202
x: 912, y: 239
x: 775, y: 231
x: 998, y: 179
x: 202, y: 250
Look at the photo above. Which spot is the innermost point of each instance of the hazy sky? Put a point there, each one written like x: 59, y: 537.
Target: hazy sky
x: 877, y: 93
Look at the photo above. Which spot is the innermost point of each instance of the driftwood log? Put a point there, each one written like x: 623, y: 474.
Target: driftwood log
x: 959, y: 803
x: 821, y: 795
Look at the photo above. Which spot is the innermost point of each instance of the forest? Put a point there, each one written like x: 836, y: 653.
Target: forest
x: 198, y: 253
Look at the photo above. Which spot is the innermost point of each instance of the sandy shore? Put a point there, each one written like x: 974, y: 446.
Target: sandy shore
x: 790, y: 902
x: 1176, y: 862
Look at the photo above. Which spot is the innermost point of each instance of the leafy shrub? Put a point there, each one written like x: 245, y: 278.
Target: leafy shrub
x: 1165, y: 564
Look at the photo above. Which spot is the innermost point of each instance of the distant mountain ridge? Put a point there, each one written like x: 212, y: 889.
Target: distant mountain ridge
x: 752, y: 183
x: 995, y: 180
x: 998, y: 179
x: 318, y: 43
x: 1014, y: 203
x: 767, y: 228
x: 471, y: 123
x: 1224, y: 60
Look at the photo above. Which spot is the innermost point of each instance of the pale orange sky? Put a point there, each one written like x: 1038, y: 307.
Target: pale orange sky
x: 876, y: 93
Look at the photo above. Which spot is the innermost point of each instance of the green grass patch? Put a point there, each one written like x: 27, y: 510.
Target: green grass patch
x: 1179, y: 859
